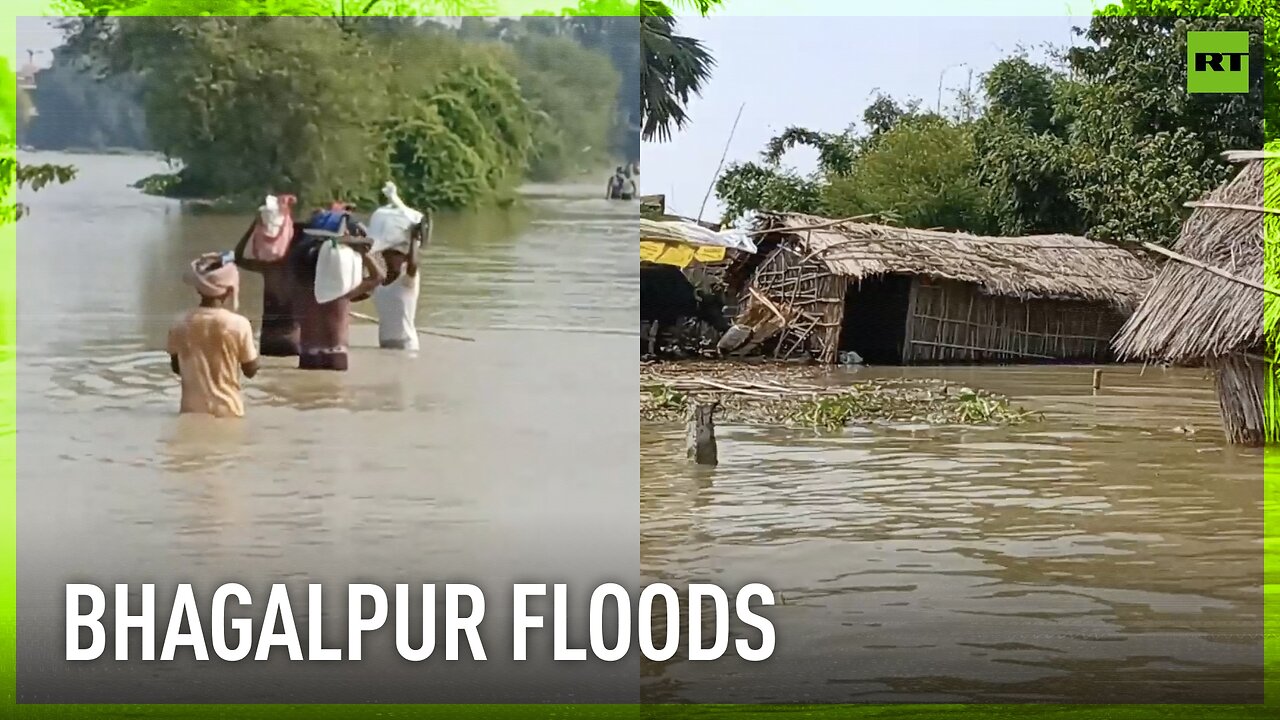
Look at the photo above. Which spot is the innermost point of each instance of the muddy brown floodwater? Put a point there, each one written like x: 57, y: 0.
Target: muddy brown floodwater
x: 1097, y: 556
x: 491, y: 462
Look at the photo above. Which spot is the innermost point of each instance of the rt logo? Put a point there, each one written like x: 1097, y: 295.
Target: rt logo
x: 1217, y: 62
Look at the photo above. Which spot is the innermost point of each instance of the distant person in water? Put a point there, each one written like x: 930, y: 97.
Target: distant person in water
x: 280, y: 335
x: 324, y: 327
x: 616, y: 185
x: 212, y: 344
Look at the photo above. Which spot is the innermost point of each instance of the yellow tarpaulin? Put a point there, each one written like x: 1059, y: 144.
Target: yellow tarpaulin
x: 678, y: 254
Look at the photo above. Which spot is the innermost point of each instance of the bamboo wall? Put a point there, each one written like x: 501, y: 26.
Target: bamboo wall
x: 811, y: 296
x: 950, y: 321
x: 1240, y: 382
x: 946, y: 321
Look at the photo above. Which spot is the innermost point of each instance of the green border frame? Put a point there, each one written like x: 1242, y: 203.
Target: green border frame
x: 8, y: 419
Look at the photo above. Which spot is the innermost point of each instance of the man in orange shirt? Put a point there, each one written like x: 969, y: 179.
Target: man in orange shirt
x: 211, y: 345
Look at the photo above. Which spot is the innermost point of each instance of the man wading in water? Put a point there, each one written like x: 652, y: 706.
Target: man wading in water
x: 279, y: 336
x: 211, y: 345
x: 399, y: 233
x: 324, y: 327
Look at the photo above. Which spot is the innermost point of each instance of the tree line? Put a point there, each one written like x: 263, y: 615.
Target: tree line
x: 1100, y: 140
x: 659, y: 65
x: 456, y: 113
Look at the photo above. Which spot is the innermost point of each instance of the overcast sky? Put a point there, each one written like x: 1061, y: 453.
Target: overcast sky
x: 38, y: 34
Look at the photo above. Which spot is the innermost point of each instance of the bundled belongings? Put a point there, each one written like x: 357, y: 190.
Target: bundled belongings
x: 391, y: 226
x: 336, y: 222
x: 274, y: 229
x: 397, y: 231
x: 263, y: 248
x: 321, y: 271
x: 339, y: 270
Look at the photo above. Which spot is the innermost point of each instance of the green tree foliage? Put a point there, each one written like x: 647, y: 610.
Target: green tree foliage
x: 673, y: 69
x: 326, y: 107
x: 1165, y: 20
x: 1107, y: 143
x: 566, y: 65
x: 611, y: 27
x: 12, y: 173
x: 920, y: 172
x: 243, y: 101
x: 884, y: 112
x: 769, y: 185
x: 562, y: 79
x: 744, y: 187
x: 1022, y: 152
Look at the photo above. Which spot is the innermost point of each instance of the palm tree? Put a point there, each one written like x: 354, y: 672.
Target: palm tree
x: 673, y: 68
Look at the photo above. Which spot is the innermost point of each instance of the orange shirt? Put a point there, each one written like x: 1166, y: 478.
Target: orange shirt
x: 211, y: 344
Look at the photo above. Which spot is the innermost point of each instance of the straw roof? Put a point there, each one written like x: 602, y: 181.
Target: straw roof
x: 1191, y: 313
x: 1041, y: 266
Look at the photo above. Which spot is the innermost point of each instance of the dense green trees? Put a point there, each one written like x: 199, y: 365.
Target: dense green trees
x: 327, y: 107
x: 1105, y: 141
x: 658, y: 71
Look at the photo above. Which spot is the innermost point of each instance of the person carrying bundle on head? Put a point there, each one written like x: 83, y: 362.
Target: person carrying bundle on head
x: 331, y: 266
x: 262, y: 249
x: 399, y: 232
x: 212, y: 344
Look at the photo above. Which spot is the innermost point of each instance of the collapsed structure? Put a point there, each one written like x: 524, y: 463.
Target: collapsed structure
x: 900, y: 296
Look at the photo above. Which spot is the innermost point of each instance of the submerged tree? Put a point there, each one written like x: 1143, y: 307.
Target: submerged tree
x: 333, y: 108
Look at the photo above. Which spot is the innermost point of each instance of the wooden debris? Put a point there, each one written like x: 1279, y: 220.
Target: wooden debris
x: 700, y: 443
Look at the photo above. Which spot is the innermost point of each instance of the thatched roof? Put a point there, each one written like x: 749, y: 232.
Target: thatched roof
x: 1041, y: 266
x: 1191, y: 313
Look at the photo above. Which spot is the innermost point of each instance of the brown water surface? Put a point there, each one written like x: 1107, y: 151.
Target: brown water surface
x: 489, y: 462
x: 1098, y: 556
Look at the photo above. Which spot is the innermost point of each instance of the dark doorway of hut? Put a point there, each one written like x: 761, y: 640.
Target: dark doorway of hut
x: 875, y: 319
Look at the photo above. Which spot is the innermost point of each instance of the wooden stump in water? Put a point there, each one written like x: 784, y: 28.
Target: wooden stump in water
x: 700, y: 442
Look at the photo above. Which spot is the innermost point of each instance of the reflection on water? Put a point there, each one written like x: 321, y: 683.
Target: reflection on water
x: 420, y: 468
x: 1099, y: 556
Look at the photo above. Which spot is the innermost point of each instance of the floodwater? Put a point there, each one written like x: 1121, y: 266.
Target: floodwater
x: 1102, y: 555
x: 491, y: 462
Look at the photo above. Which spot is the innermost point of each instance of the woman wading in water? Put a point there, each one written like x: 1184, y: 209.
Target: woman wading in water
x: 279, y: 336
x: 324, y: 327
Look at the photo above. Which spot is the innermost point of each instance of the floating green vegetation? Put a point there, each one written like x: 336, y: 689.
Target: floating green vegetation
x: 661, y: 402
x: 830, y: 408
x: 876, y: 402
x: 162, y: 184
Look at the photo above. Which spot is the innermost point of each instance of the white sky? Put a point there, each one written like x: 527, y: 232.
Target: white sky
x: 820, y: 73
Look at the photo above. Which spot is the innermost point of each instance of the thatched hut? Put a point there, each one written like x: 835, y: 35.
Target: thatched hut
x: 902, y: 296
x: 1207, y: 305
